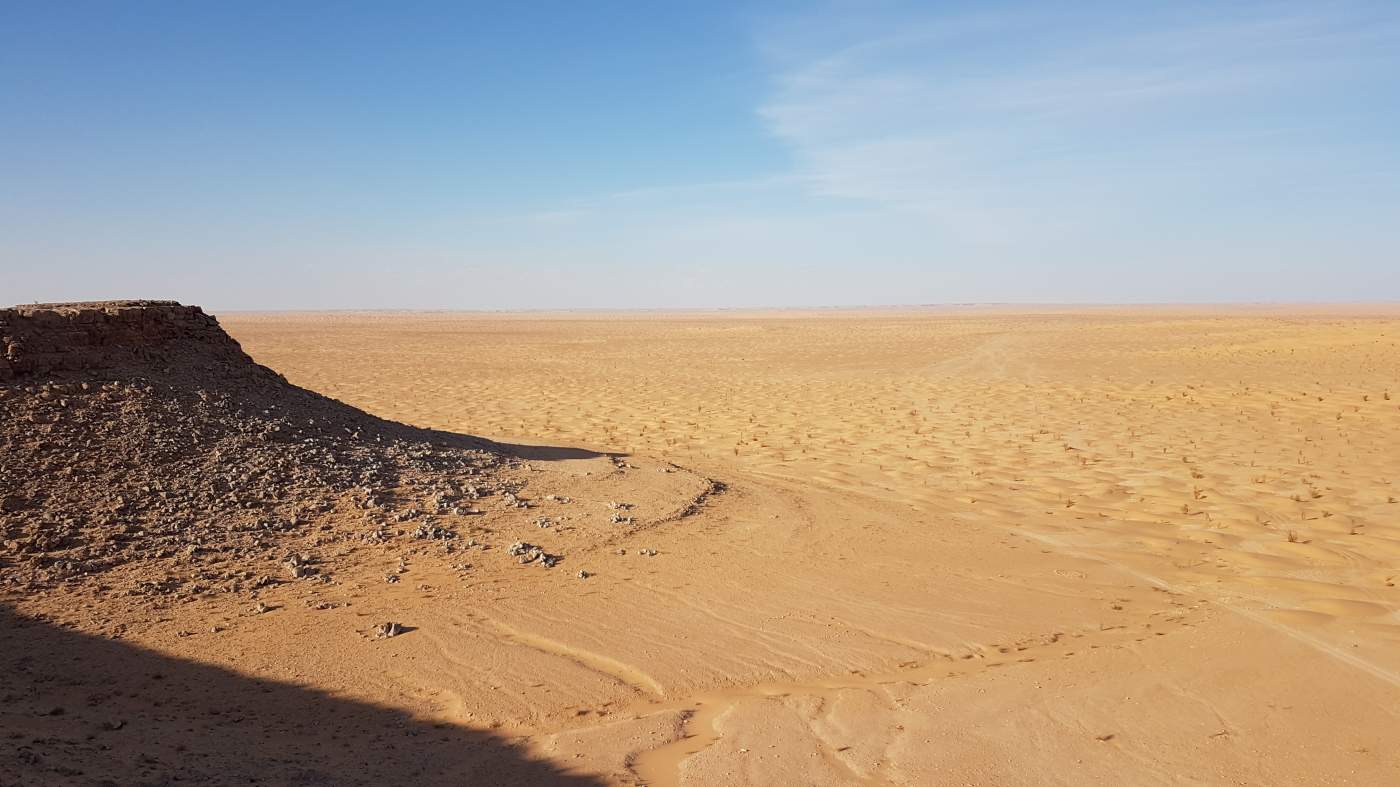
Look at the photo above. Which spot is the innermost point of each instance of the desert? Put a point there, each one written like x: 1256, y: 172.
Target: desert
x: 957, y: 545
x: 722, y: 394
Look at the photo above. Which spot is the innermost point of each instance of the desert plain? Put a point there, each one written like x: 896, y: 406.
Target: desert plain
x: 962, y: 546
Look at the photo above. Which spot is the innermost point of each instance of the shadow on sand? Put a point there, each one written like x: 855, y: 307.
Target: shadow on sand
x: 390, y: 429
x: 82, y: 710
x: 549, y: 453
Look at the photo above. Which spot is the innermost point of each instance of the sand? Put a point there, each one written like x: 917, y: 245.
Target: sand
x: 948, y: 546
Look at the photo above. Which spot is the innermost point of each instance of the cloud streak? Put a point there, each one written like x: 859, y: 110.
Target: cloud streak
x: 1030, y: 120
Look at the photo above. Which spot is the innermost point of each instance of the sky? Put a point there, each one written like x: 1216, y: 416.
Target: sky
x: 600, y: 155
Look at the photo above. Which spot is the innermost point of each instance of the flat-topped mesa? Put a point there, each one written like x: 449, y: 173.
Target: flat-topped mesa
x: 76, y: 339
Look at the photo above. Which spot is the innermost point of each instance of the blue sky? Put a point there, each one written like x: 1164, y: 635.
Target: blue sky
x: 653, y: 155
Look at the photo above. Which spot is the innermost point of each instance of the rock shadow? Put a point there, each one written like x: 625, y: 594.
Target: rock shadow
x: 86, y: 711
x: 550, y: 453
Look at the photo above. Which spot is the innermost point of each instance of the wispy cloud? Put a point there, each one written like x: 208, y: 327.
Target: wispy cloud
x: 646, y: 199
x: 1168, y: 154
x: 1028, y: 117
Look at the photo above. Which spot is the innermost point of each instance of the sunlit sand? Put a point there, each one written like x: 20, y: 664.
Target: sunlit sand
x: 954, y: 546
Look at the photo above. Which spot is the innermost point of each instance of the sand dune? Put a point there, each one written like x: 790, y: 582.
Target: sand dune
x: 1133, y: 538
x: 1137, y: 546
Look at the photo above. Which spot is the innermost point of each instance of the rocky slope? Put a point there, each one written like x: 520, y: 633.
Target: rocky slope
x: 143, y: 450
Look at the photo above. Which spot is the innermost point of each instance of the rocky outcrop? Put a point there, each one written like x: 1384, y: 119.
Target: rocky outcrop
x: 137, y: 435
x: 72, y: 339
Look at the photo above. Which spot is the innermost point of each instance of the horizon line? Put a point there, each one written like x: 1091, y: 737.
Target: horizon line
x: 1385, y: 302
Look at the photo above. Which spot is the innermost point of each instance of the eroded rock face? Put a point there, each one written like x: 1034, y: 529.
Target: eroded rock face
x: 138, y: 435
x: 75, y: 339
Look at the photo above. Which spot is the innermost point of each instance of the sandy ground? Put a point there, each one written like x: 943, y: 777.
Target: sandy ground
x: 1149, y: 546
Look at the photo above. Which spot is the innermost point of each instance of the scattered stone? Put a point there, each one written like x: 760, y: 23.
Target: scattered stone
x: 432, y: 532
x: 529, y: 553
x: 299, y: 566
x: 583, y: 574
x: 388, y: 630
